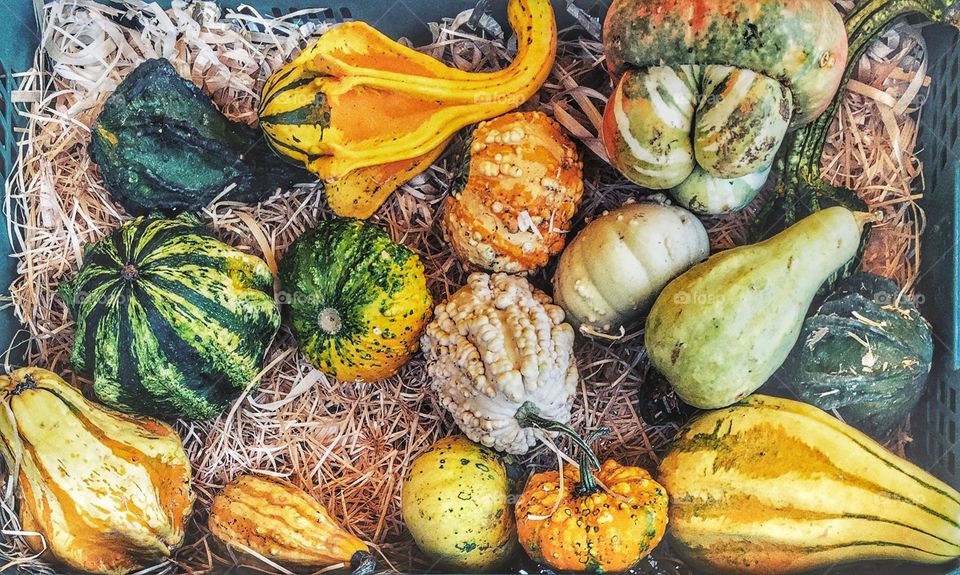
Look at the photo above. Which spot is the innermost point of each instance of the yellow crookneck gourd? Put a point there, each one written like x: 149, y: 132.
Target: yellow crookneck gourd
x: 366, y: 114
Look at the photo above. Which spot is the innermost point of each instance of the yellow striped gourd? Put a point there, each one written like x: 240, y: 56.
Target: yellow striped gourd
x: 276, y: 520
x: 773, y: 486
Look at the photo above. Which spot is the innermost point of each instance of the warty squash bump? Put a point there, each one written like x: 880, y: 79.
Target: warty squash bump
x: 598, y: 518
x: 500, y: 357
x: 511, y: 210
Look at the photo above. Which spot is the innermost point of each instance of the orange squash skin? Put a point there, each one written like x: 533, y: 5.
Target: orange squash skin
x: 609, y: 530
x: 278, y: 520
x: 523, y: 185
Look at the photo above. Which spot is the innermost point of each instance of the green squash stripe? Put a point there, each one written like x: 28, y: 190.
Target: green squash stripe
x: 211, y: 325
x: 275, y: 143
x: 97, y: 307
x: 291, y: 86
x: 183, y: 337
x: 165, y: 386
x: 316, y: 113
x: 274, y: 80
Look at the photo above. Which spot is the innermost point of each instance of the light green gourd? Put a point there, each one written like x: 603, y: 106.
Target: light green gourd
x: 702, y: 193
x: 718, y: 331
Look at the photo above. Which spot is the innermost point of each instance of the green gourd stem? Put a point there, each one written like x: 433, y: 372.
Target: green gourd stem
x: 800, y: 178
x: 363, y: 563
x: 529, y: 416
x: 588, y: 462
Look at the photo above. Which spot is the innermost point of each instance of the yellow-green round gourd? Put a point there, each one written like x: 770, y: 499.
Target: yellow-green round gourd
x: 456, y: 504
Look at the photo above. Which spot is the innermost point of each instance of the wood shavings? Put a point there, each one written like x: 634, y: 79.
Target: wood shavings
x: 347, y: 444
x: 871, y: 149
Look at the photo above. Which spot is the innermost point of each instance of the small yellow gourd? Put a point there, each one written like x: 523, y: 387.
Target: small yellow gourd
x: 277, y: 520
x: 456, y: 504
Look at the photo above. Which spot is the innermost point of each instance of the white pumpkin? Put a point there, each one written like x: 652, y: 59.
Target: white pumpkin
x: 613, y: 270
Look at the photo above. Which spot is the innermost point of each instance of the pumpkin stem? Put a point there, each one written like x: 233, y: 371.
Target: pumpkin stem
x: 529, y: 416
x: 362, y: 563
x: 330, y: 321
x: 588, y: 461
x: 129, y: 272
x: 23, y: 385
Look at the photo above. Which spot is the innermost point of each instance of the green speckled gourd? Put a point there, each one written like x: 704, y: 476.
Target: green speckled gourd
x: 171, y: 322
x: 162, y: 145
x: 720, y: 330
x: 865, y: 353
x: 456, y: 503
x: 357, y: 301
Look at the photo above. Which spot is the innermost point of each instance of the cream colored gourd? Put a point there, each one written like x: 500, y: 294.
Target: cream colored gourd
x: 773, y: 486
x: 273, y: 519
x: 456, y: 504
x: 109, y: 492
x: 500, y: 357
x: 611, y: 272
x: 718, y: 331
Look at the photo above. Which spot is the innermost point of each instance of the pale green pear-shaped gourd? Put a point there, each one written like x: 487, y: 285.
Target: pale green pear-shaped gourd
x: 718, y: 331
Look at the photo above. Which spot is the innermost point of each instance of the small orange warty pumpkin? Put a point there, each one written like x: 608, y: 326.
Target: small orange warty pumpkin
x: 523, y: 182
x: 603, y: 522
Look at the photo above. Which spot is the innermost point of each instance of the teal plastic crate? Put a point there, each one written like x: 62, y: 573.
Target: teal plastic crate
x: 936, y: 444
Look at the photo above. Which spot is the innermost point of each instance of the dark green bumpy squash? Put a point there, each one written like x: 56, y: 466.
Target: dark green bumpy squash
x: 171, y: 322
x: 865, y: 353
x: 162, y: 145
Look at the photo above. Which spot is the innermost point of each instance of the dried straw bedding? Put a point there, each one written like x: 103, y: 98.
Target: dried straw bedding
x: 350, y: 444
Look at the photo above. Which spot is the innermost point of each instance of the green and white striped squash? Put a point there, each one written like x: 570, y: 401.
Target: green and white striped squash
x: 773, y: 486
x: 171, y: 322
x: 648, y: 122
x: 740, y: 122
x: 702, y: 193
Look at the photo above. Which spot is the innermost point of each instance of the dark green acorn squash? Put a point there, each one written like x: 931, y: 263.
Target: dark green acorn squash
x: 357, y: 301
x: 865, y: 353
x: 171, y: 322
x: 162, y: 145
